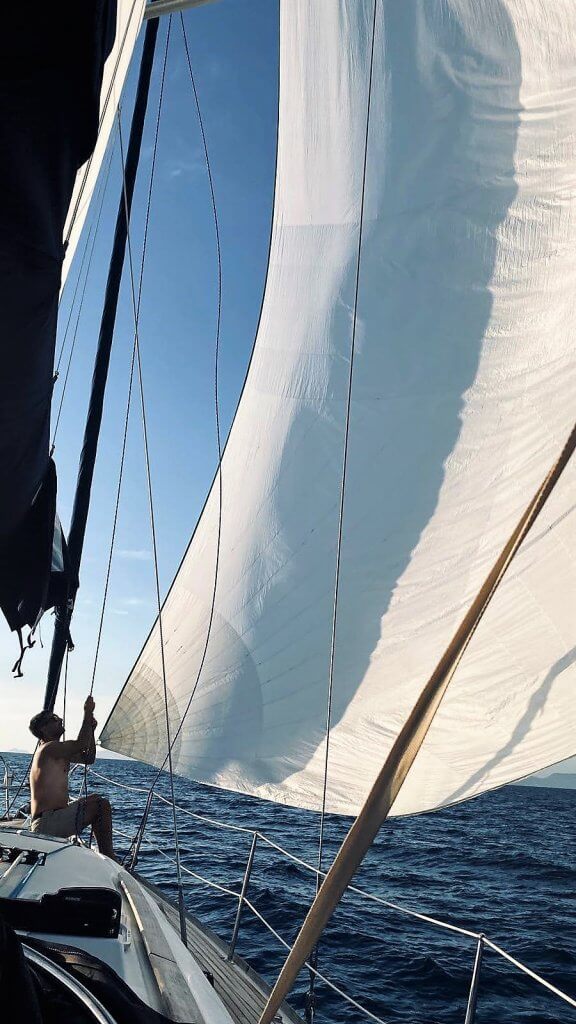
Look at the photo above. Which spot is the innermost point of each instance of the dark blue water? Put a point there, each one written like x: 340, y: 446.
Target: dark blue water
x: 503, y: 864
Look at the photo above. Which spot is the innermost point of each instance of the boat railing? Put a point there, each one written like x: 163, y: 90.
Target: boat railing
x: 482, y: 941
x: 5, y: 784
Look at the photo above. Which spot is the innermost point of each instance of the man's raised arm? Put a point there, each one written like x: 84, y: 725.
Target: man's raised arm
x: 85, y: 752
x: 82, y: 750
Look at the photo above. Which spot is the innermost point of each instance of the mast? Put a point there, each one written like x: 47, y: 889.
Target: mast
x: 100, y: 375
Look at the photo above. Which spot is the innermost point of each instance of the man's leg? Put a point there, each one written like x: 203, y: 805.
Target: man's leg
x: 98, y: 813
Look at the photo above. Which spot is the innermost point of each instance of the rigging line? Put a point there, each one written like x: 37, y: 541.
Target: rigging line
x: 216, y: 408
x: 314, y: 954
x: 104, y: 103
x: 73, y: 303
x: 79, y: 314
x: 114, y: 524
x: 155, y: 554
x: 131, y: 380
x: 345, y: 452
x: 110, y: 556
x: 65, y: 692
x: 96, y: 219
x: 322, y: 977
x: 242, y: 392
x: 216, y: 379
x: 115, y: 520
x: 23, y: 780
x: 129, y: 398
x: 132, y: 365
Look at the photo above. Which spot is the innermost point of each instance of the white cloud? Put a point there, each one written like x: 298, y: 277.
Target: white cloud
x: 180, y: 168
x: 135, y: 554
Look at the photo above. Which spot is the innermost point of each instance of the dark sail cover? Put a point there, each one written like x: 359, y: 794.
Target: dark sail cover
x: 51, y: 65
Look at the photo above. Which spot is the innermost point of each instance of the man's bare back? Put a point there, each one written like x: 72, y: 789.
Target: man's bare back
x: 51, y: 812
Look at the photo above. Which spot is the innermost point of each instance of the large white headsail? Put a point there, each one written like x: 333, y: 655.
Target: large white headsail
x: 463, y: 394
x: 128, y: 22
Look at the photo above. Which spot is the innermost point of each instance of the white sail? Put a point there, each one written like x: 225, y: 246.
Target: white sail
x: 128, y: 22
x: 462, y: 396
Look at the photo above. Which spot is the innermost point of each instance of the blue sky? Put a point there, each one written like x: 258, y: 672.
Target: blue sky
x: 234, y: 49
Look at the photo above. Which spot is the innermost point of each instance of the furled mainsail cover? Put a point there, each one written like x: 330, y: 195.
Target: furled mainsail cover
x: 61, y: 69
x: 463, y: 394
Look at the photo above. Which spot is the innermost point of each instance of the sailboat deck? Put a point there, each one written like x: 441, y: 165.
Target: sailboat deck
x: 241, y: 991
x: 240, y: 988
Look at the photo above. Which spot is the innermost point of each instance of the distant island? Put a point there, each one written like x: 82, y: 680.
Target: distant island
x: 557, y: 780
x: 101, y: 754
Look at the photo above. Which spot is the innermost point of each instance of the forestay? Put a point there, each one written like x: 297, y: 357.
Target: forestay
x: 462, y: 396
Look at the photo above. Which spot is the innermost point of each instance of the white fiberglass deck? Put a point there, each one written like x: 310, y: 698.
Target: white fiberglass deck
x: 197, y: 984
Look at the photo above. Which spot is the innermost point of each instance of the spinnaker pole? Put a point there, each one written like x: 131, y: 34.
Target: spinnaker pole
x: 100, y: 375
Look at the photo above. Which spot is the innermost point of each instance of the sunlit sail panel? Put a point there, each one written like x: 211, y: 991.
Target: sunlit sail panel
x: 128, y: 21
x: 462, y: 396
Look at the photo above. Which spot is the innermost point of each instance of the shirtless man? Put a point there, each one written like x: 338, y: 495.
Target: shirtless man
x: 51, y: 813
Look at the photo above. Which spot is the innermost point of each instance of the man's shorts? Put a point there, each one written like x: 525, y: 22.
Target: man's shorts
x: 64, y: 822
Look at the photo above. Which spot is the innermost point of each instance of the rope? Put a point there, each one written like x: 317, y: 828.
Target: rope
x: 183, y: 810
x: 135, y: 308
x: 531, y: 974
x: 104, y: 103
x: 322, y: 977
x: 114, y: 524
x: 216, y: 412
x: 497, y: 949
x: 133, y: 360
x: 314, y: 954
x: 108, y: 572
x: 73, y: 303
x: 24, y: 777
x: 425, y: 918
x: 216, y: 385
x: 345, y: 461
x: 128, y: 405
x: 80, y: 308
x: 99, y: 200
x: 194, y: 875
x: 65, y: 692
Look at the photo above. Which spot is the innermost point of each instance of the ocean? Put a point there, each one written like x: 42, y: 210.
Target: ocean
x: 503, y: 864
